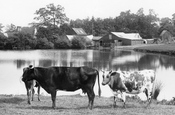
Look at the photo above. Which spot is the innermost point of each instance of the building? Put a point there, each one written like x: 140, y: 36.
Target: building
x: 76, y: 31
x: 80, y: 33
x: 166, y: 37
x: 26, y: 30
x: 120, y: 38
x: 95, y: 40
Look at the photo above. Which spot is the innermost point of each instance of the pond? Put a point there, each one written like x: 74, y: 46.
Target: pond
x: 13, y: 62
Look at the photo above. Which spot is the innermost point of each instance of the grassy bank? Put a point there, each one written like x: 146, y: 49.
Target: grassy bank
x: 77, y: 105
x: 167, y: 49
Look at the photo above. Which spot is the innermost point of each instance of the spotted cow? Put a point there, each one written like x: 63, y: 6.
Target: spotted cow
x: 129, y: 82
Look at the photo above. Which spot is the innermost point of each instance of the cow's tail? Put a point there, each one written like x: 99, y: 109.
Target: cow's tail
x: 99, y: 89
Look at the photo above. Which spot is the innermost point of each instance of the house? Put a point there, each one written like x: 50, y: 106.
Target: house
x: 27, y: 30
x: 120, y: 38
x: 76, y: 31
x: 80, y: 33
x: 95, y: 40
x: 166, y: 37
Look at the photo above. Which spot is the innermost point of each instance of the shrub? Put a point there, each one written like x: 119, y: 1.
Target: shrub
x: 78, y: 43
x: 43, y: 43
x: 62, y: 43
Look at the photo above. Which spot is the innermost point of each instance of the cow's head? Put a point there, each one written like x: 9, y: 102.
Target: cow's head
x: 106, y: 77
x: 28, y: 73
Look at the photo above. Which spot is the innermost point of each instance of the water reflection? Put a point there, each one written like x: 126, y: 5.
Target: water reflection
x: 12, y: 63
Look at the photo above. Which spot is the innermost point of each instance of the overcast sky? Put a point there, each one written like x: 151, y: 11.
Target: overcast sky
x: 21, y: 12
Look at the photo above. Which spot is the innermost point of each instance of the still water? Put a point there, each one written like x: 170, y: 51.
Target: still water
x: 13, y: 62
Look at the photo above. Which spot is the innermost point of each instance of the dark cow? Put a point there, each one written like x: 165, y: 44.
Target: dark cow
x: 30, y: 87
x: 64, y: 78
x: 129, y: 83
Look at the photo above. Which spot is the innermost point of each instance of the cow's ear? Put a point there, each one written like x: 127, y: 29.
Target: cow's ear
x: 113, y: 73
x: 24, y: 69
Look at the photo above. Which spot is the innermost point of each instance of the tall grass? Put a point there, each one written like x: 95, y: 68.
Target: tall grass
x: 158, y: 85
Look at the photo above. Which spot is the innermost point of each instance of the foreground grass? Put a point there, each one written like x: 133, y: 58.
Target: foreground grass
x: 77, y: 105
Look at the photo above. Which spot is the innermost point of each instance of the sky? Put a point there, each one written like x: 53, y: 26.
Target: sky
x: 21, y: 12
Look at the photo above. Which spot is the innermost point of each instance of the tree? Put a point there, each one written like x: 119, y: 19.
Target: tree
x: 86, y: 24
x: 167, y: 24
x: 3, y: 41
x: 11, y: 28
x: 1, y: 26
x: 21, y: 40
x: 62, y: 43
x: 78, y: 43
x: 43, y: 43
x: 51, y: 15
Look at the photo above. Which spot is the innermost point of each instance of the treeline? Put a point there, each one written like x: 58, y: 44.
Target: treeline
x: 53, y: 25
x: 23, y: 41
x: 148, y: 26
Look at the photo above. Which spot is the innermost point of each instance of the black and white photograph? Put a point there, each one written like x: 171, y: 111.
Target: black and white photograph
x: 87, y: 57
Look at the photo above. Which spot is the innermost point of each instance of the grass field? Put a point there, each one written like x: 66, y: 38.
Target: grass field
x: 77, y: 105
x: 168, y: 49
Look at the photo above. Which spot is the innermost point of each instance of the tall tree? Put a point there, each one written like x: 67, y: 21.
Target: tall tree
x: 1, y: 26
x: 51, y: 15
x: 11, y: 28
x: 166, y: 24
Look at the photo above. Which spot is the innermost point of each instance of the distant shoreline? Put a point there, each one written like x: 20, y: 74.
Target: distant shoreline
x: 166, y: 49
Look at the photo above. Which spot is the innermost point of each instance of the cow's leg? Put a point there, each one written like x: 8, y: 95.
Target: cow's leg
x: 91, y: 96
x: 123, y: 96
x: 32, y: 93
x: 28, y: 95
x: 38, y: 93
x: 115, y: 99
x: 146, y: 93
x: 53, y: 96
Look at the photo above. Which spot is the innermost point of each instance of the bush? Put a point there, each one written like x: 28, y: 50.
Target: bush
x: 62, y: 43
x: 3, y: 41
x: 43, y: 43
x: 20, y: 40
x: 78, y: 43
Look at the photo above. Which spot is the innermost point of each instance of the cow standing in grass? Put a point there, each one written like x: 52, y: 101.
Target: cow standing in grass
x: 52, y: 79
x: 30, y: 87
x: 129, y: 83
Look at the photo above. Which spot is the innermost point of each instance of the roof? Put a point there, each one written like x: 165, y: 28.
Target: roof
x: 132, y: 36
x: 70, y: 37
x: 28, y: 30
x: 88, y: 37
x: 165, y: 32
x: 79, y: 31
x: 96, y: 38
